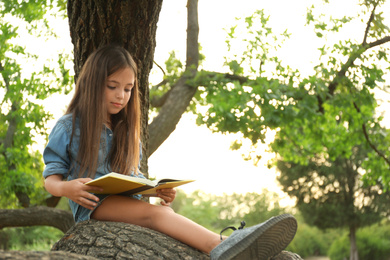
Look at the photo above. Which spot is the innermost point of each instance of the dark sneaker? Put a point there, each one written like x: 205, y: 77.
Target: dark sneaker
x: 258, y: 242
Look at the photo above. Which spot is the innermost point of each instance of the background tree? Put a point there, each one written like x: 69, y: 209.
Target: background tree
x: 321, y: 115
x: 330, y: 193
x: 23, y: 118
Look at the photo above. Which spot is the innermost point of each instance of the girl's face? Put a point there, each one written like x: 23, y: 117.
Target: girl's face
x: 118, y: 90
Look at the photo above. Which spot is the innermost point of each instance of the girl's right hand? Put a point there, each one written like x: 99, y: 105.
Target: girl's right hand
x: 77, y: 191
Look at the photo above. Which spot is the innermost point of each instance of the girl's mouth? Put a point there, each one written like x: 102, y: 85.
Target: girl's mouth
x: 116, y: 104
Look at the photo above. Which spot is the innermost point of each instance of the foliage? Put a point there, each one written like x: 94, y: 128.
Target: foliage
x: 373, y: 243
x: 31, y: 11
x: 23, y: 118
x: 217, y: 212
x: 321, y: 115
x: 330, y: 193
x: 31, y: 238
x: 312, y: 241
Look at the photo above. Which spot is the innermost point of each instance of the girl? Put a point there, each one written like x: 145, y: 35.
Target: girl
x: 100, y: 133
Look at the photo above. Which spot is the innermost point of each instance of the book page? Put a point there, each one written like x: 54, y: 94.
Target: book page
x: 166, y: 185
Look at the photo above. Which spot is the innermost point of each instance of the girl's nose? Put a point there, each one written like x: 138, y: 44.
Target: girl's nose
x: 120, y: 94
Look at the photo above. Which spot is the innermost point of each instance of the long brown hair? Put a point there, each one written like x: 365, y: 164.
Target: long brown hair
x: 87, y: 105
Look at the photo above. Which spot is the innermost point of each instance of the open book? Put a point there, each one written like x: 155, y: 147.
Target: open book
x: 115, y: 183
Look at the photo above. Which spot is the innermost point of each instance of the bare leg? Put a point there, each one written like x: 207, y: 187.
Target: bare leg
x: 159, y: 218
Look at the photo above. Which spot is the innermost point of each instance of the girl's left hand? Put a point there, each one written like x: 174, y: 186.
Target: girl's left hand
x: 167, y: 196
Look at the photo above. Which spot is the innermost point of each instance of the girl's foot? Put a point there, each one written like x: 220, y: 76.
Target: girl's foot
x: 258, y: 242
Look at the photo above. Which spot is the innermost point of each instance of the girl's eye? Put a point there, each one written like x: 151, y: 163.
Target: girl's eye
x: 128, y: 90
x: 110, y: 87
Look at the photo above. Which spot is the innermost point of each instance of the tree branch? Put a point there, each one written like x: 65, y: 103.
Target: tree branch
x: 163, y: 82
x: 369, y: 24
x: 234, y: 77
x: 36, y: 216
x: 160, y: 101
x: 367, y: 137
x: 378, y: 42
x: 354, y: 55
x: 181, y: 94
x: 8, y: 141
x: 344, y: 68
x: 11, y: 130
x: 162, y: 70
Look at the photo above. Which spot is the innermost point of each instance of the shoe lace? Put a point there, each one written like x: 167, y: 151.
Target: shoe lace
x: 242, y: 224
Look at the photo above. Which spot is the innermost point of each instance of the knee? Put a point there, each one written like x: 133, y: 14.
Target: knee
x: 162, y: 210
x: 168, y: 209
x: 159, y: 212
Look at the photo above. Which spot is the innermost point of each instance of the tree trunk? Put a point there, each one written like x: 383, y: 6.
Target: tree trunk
x: 36, y: 216
x: 353, y: 254
x: 131, y: 24
x: 42, y: 255
x: 115, y: 240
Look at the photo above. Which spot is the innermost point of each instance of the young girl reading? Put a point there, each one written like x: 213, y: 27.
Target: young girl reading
x: 100, y: 133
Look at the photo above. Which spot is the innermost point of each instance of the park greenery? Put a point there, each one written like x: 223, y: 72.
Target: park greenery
x: 331, y: 143
x: 23, y: 88
x: 217, y: 212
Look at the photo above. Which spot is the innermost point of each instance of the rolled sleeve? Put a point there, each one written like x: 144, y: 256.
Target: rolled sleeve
x: 56, y: 155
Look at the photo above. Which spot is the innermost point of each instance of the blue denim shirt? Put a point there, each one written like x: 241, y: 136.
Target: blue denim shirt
x: 59, y: 156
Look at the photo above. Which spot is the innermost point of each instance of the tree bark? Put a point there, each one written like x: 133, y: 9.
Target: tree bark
x: 353, y: 254
x: 115, y: 240
x: 56, y: 255
x: 131, y: 24
x: 36, y: 216
x: 40, y: 255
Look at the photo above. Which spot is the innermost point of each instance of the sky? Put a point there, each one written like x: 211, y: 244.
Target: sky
x: 193, y: 152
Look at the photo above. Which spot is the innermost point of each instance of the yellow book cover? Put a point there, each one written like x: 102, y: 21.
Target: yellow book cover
x: 115, y: 183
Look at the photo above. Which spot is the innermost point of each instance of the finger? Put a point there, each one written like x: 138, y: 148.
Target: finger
x: 86, y: 203
x: 167, y: 190
x: 163, y: 195
x: 165, y: 203
x: 167, y: 193
x: 93, y: 188
x: 149, y: 195
x: 166, y: 199
x: 92, y: 197
x: 86, y: 197
x: 84, y: 180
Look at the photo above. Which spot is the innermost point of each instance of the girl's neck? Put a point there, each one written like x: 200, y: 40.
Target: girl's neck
x: 108, y: 124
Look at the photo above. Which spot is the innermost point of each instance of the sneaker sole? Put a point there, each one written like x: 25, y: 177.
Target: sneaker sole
x: 275, y: 235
